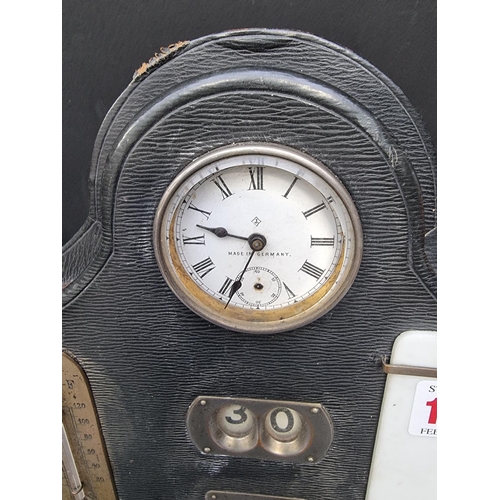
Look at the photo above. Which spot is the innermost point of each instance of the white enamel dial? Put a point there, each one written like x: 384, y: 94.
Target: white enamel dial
x: 258, y: 238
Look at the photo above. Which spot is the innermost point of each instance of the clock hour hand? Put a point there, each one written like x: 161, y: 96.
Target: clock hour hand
x: 221, y: 232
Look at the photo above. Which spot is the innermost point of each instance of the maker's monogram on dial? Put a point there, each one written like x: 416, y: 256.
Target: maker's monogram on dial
x: 258, y: 238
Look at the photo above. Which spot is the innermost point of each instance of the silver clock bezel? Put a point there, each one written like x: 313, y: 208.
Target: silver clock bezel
x: 192, y: 300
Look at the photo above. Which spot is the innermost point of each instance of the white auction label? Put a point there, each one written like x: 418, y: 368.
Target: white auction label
x: 423, y: 420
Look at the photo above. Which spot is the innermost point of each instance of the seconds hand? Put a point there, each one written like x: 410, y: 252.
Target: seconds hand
x: 257, y: 243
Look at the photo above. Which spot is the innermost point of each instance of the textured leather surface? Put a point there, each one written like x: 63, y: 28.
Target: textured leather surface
x: 286, y: 51
x: 80, y: 252
x: 147, y: 356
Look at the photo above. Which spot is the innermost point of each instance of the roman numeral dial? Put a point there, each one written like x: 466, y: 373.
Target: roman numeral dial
x: 255, y: 236
x: 312, y: 270
x: 295, y: 179
x: 204, y: 267
x: 322, y: 242
x: 221, y: 184
x: 196, y: 209
x: 256, y: 178
x: 226, y: 286
x: 314, y: 210
x: 194, y: 240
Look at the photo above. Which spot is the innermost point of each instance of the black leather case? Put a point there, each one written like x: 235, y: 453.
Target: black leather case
x: 147, y: 356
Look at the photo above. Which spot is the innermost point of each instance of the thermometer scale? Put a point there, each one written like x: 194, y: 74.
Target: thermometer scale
x: 86, y: 470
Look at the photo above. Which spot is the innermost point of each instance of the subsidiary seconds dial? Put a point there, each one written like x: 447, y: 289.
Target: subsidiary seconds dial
x: 258, y: 238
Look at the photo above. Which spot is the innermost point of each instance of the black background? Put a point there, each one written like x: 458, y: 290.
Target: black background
x: 105, y: 41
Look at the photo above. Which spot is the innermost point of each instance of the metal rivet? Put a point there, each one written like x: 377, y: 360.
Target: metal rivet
x: 203, y: 402
x: 213, y: 497
x: 310, y: 459
x: 207, y: 450
x: 314, y: 410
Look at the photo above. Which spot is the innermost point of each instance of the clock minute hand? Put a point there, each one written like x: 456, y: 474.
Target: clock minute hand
x: 257, y: 242
x: 237, y: 284
x: 221, y: 232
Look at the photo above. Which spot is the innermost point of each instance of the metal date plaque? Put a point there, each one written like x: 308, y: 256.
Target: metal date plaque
x: 257, y: 428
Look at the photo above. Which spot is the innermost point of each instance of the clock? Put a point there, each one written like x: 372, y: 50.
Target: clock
x: 258, y: 238
x: 226, y: 186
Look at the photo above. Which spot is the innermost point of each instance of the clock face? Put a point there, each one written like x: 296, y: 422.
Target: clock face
x: 258, y: 238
